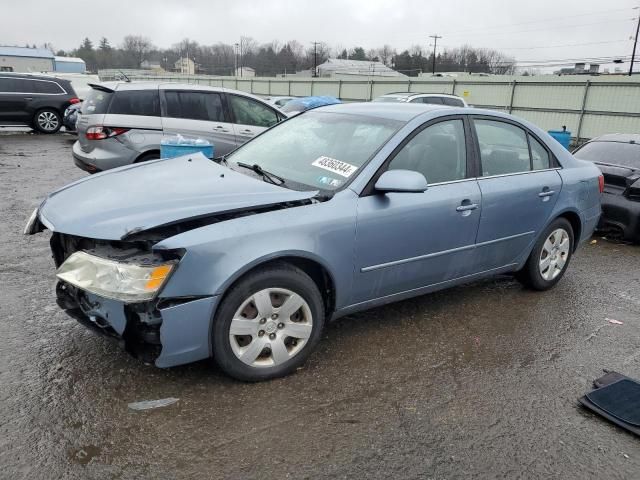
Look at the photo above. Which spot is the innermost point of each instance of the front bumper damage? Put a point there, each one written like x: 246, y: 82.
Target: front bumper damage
x: 163, y: 331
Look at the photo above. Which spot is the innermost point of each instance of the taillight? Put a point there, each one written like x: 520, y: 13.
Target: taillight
x: 100, y: 133
x: 601, y: 183
x: 74, y: 100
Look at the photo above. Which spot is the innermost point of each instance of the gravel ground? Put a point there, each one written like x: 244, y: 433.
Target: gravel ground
x: 478, y: 381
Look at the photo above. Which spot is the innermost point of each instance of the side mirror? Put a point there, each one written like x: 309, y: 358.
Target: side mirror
x: 406, y: 181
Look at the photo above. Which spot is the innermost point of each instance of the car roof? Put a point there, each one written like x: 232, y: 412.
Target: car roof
x: 618, y: 137
x: 121, y: 86
x: 417, y: 94
x: 391, y: 111
x: 33, y: 76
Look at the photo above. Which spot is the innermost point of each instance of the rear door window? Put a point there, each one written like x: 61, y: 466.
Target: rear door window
x: 194, y: 106
x: 539, y: 155
x: 429, y: 100
x: 97, y: 102
x: 144, y: 103
x: 503, y: 148
x: 249, y: 112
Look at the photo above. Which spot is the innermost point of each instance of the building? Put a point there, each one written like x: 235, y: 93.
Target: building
x: 23, y: 59
x: 245, y: 72
x: 151, y: 65
x: 69, y: 65
x: 185, y: 65
x: 579, y: 69
x: 336, y: 67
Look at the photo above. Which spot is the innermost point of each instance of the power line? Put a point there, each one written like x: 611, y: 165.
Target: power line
x: 564, y: 45
x: 538, y: 21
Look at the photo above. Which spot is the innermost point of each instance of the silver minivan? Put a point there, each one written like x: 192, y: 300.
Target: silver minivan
x: 122, y: 123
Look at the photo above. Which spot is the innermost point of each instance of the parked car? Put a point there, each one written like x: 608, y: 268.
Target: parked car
x: 430, y: 98
x: 302, y: 104
x: 37, y: 101
x: 279, y: 101
x: 70, y: 117
x: 618, y: 157
x: 124, y: 123
x: 336, y: 210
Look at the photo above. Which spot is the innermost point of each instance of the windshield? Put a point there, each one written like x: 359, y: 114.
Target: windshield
x: 615, y: 153
x: 322, y: 150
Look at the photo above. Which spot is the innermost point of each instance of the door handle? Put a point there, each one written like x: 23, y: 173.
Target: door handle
x: 28, y: 98
x: 247, y: 132
x: 546, y: 193
x: 221, y: 129
x: 466, y: 207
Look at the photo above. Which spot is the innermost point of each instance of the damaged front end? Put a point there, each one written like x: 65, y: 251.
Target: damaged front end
x: 148, y: 327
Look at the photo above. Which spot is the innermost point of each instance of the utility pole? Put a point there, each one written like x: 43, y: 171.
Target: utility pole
x: 635, y: 44
x: 315, y: 59
x: 235, y: 57
x: 435, y: 44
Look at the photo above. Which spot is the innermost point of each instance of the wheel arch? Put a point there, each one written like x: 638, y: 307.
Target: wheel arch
x: 140, y: 157
x: 576, y: 224
x: 313, y: 266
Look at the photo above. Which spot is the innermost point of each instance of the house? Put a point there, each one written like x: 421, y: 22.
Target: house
x: 24, y: 59
x: 337, y: 66
x: 185, y: 65
x: 245, y: 72
x: 69, y: 65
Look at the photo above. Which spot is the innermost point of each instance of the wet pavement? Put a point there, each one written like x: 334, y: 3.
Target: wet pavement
x: 478, y: 381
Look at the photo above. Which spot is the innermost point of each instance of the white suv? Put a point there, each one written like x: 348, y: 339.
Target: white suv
x: 431, y: 98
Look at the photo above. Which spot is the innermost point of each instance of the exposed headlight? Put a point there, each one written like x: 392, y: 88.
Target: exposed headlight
x: 119, y: 281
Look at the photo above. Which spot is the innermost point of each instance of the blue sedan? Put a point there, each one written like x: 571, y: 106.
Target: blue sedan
x: 337, y: 210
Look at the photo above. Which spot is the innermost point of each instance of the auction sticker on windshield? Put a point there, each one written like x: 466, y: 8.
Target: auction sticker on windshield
x: 343, y: 169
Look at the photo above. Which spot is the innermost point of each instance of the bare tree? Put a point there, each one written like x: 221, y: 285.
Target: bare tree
x: 386, y: 53
x: 135, y: 48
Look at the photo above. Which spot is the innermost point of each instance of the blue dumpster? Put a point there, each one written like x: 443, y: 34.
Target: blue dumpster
x: 178, y: 145
x: 562, y: 136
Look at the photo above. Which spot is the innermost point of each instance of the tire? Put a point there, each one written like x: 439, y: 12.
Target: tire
x: 147, y: 156
x: 550, y: 257
x: 253, y: 350
x: 47, y: 120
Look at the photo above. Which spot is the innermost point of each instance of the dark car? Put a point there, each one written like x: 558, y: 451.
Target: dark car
x: 618, y: 157
x: 71, y: 117
x: 37, y: 101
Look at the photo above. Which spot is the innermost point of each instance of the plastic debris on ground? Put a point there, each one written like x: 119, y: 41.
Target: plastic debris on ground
x: 151, y: 404
x: 614, y: 321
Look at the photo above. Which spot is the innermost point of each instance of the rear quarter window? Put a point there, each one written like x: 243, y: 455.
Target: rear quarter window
x: 145, y: 103
x: 96, y: 102
x: 452, y: 102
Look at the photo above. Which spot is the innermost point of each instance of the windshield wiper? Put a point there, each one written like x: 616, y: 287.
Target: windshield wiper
x: 266, y: 176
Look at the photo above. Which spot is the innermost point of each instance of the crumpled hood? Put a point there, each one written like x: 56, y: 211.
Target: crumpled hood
x: 112, y: 204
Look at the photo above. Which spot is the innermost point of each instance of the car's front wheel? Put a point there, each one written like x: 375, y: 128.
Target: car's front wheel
x: 550, y: 256
x: 268, y: 323
x: 47, y: 121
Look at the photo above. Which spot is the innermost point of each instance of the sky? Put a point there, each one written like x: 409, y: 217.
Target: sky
x: 531, y: 31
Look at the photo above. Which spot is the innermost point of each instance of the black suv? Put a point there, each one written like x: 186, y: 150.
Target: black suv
x: 38, y: 101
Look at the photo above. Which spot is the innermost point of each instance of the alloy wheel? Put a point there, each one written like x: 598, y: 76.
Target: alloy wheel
x: 554, y: 254
x: 270, y: 327
x: 48, y: 121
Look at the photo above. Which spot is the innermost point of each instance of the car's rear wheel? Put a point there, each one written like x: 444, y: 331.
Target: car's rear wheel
x: 47, y: 121
x: 550, y: 256
x: 268, y: 324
